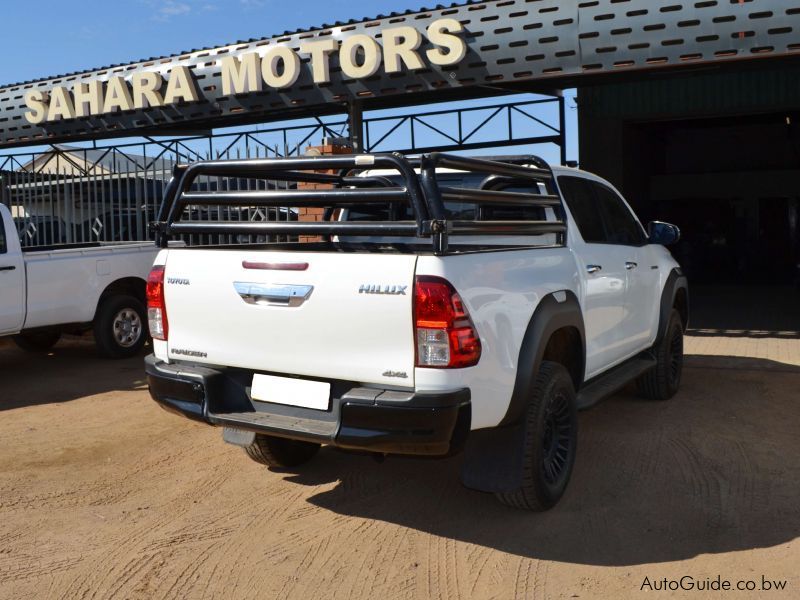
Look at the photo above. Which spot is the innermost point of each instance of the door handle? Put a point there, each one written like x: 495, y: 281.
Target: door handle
x: 273, y: 295
x: 592, y: 269
x: 631, y: 265
x: 8, y: 268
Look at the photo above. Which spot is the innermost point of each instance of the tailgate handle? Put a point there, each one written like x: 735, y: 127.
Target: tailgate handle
x: 273, y: 295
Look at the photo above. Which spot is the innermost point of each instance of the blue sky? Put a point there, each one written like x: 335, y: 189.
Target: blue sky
x: 50, y: 37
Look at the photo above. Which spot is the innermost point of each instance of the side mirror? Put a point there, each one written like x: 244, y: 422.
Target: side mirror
x: 663, y: 233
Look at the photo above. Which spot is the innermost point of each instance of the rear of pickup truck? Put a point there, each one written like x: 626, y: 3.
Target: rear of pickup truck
x: 315, y: 346
x: 399, y: 329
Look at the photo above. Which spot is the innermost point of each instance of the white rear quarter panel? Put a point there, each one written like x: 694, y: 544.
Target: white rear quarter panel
x: 501, y: 290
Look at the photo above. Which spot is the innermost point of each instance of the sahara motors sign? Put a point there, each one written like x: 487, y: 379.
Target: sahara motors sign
x: 277, y: 67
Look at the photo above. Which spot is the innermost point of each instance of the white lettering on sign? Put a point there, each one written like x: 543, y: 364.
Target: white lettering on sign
x: 440, y: 33
x: 117, y: 96
x: 60, y: 105
x: 241, y: 76
x: 280, y: 67
x: 400, y: 46
x: 276, y: 67
x: 181, y: 86
x: 320, y: 52
x: 88, y: 98
x: 146, y: 88
x: 37, y: 101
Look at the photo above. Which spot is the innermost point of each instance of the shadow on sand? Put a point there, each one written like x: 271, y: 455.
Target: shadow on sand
x: 70, y: 370
x: 716, y: 469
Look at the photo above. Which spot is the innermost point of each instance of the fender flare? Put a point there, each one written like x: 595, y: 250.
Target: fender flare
x: 493, y: 456
x: 550, y: 315
x: 676, y: 281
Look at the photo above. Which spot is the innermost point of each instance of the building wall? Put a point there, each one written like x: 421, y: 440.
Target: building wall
x: 717, y: 153
x: 612, y: 147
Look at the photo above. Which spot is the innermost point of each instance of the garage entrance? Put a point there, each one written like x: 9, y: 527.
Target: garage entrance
x: 716, y: 153
x: 732, y: 185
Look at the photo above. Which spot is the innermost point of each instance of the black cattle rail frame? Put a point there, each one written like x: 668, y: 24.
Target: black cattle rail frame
x: 420, y: 192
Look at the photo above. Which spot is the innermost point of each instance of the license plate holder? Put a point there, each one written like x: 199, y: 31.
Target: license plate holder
x: 289, y: 391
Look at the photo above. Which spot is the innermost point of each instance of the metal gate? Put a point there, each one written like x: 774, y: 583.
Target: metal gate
x: 77, y: 195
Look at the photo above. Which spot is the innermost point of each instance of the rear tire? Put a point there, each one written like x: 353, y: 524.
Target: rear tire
x: 120, y: 327
x: 663, y: 380
x: 551, y: 436
x: 280, y: 452
x: 37, y: 341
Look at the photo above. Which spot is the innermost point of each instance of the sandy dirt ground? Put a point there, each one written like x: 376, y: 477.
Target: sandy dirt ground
x: 104, y: 495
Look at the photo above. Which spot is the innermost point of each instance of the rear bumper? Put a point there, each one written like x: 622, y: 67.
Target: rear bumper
x: 434, y: 424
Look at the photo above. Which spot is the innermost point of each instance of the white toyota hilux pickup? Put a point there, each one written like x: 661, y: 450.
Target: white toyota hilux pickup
x: 73, y: 288
x: 439, y: 304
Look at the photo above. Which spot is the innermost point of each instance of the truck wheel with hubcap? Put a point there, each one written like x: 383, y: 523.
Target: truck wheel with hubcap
x: 37, y: 341
x: 120, y: 327
x: 550, y: 442
x: 280, y: 452
x: 662, y: 381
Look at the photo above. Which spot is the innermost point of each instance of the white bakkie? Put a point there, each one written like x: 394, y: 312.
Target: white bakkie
x: 71, y: 289
x: 490, y: 344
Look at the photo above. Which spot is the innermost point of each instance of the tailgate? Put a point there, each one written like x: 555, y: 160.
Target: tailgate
x: 343, y: 316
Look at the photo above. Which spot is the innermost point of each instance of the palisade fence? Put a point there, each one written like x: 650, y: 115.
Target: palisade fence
x: 66, y: 194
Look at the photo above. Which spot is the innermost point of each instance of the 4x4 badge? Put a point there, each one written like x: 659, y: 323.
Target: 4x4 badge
x: 400, y: 374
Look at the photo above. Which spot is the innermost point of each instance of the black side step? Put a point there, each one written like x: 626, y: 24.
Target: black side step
x: 604, y: 385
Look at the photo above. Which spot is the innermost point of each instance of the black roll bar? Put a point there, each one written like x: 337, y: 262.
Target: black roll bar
x: 419, y: 191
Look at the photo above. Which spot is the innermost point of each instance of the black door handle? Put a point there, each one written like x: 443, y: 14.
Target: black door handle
x: 8, y: 268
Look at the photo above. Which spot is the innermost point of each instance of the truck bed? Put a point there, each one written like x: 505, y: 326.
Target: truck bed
x: 64, y: 284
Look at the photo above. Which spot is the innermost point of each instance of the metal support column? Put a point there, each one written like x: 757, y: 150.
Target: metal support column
x: 562, y: 128
x: 355, y: 125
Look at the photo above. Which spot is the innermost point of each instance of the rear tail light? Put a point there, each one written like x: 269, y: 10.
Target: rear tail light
x: 445, y: 334
x: 156, y: 307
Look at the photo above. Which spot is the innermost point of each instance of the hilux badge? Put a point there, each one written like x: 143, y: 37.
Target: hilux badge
x: 388, y: 290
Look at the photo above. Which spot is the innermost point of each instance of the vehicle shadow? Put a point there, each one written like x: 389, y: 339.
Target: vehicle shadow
x: 716, y: 469
x: 71, y: 370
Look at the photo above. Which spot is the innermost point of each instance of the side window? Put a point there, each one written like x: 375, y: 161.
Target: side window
x: 3, y: 248
x: 583, y: 207
x: 621, y: 226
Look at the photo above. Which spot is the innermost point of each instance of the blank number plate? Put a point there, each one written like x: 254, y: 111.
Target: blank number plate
x: 292, y: 392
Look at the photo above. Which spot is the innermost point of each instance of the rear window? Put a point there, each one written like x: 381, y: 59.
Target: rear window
x: 460, y: 211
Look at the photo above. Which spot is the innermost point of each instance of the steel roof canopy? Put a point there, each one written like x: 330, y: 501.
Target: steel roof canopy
x: 512, y: 44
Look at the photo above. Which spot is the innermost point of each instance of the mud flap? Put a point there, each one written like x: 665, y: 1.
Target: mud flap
x: 493, y: 459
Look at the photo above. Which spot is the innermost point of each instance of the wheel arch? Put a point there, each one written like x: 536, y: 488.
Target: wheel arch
x: 493, y: 456
x: 555, y: 332
x: 126, y: 286
x: 674, y: 295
